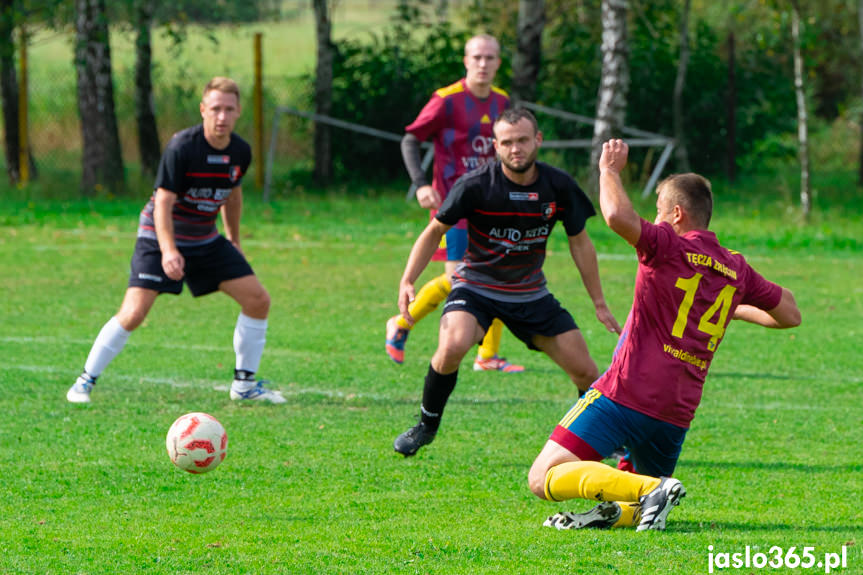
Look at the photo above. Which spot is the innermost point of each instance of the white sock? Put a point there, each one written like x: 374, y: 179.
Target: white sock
x: 108, y: 344
x: 250, y: 335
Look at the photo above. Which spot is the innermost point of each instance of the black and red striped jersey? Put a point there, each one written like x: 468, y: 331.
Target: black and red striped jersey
x: 508, y: 228
x: 202, y: 177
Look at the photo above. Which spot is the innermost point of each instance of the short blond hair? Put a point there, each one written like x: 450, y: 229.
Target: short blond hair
x: 482, y: 37
x: 224, y: 85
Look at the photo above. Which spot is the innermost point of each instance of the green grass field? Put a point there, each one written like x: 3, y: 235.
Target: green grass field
x: 314, y: 486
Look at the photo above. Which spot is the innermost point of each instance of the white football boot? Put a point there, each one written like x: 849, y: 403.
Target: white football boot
x: 80, y: 392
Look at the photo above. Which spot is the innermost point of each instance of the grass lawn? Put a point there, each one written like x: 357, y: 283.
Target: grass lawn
x: 313, y: 486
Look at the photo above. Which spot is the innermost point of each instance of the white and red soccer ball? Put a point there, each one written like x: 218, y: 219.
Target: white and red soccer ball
x: 197, y: 442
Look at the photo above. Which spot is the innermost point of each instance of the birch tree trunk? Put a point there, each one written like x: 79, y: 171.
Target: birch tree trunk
x: 680, y: 148
x: 614, y: 84
x: 526, y: 62
x: 145, y: 116
x: 323, y: 92
x: 102, y: 160
x: 802, y: 119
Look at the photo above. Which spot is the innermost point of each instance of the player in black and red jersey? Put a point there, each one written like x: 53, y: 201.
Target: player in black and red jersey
x: 199, y: 177
x: 511, y: 206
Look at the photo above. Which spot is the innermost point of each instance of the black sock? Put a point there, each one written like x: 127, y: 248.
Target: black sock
x: 437, y: 389
x: 244, y: 375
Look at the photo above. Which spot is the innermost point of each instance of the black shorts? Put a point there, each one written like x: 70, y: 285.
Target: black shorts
x: 206, y: 267
x: 544, y: 316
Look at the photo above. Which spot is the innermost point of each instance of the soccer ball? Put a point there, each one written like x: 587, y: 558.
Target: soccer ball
x: 197, y: 442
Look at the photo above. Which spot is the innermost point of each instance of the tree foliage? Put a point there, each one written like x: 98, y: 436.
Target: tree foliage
x: 384, y: 81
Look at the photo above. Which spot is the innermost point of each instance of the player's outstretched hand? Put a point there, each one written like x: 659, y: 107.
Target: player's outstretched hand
x: 614, y: 154
x: 428, y: 198
x: 406, y: 296
x: 604, y: 315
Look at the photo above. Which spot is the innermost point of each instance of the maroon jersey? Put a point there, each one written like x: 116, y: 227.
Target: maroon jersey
x: 461, y: 126
x: 686, y: 290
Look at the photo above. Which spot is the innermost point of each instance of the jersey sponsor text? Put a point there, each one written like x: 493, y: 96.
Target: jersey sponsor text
x: 683, y: 355
x: 707, y: 261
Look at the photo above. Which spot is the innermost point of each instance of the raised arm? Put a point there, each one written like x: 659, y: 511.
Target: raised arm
x: 613, y: 202
x: 584, y: 255
x: 421, y: 254
x: 783, y: 316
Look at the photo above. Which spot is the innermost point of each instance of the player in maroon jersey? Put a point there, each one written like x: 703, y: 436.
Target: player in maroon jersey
x: 458, y: 119
x: 687, y: 289
x: 199, y: 177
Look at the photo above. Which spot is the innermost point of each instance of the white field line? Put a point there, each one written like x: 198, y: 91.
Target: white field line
x: 383, y: 398
x: 89, y: 245
x: 266, y: 244
x: 227, y: 348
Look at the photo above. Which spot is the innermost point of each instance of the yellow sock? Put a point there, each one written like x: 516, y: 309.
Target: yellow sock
x: 491, y: 342
x: 428, y: 298
x: 630, y: 514
x: 596, y: 481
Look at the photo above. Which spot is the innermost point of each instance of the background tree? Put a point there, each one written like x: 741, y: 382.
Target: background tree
x: 681, y: 151
x: 102, y: 159
x: 614, y: 85
x: 860, y: 38
x: 802, y: 113
x: 9, y: 88
x: 528, y: 54
x: 731, y: 110
x: 323, y: 91
x: 145, y: 116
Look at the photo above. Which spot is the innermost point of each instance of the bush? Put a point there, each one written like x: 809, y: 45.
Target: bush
x: 384, y: 83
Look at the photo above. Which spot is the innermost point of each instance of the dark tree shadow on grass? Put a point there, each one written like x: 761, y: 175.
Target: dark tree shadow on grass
x: 675, y: 526
x: 771, y: 466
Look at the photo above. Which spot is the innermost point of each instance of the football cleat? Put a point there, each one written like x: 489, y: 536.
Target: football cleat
x: 397, y: 336
x: 656, y: 505
x: 80, y: 392
x: 603, y: 516
x: 256, y: 393
x: 411, y: 440
x: 496, y: 364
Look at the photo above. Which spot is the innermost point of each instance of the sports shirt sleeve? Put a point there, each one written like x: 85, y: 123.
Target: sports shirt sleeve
x: 458, y: 203
x: 245, y: 162
x: 655, y: 242
x: 760, y: 292
x: 172, y: 167
x: 411, y: 155
x: 577, y: 209
x: 430, y: 120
